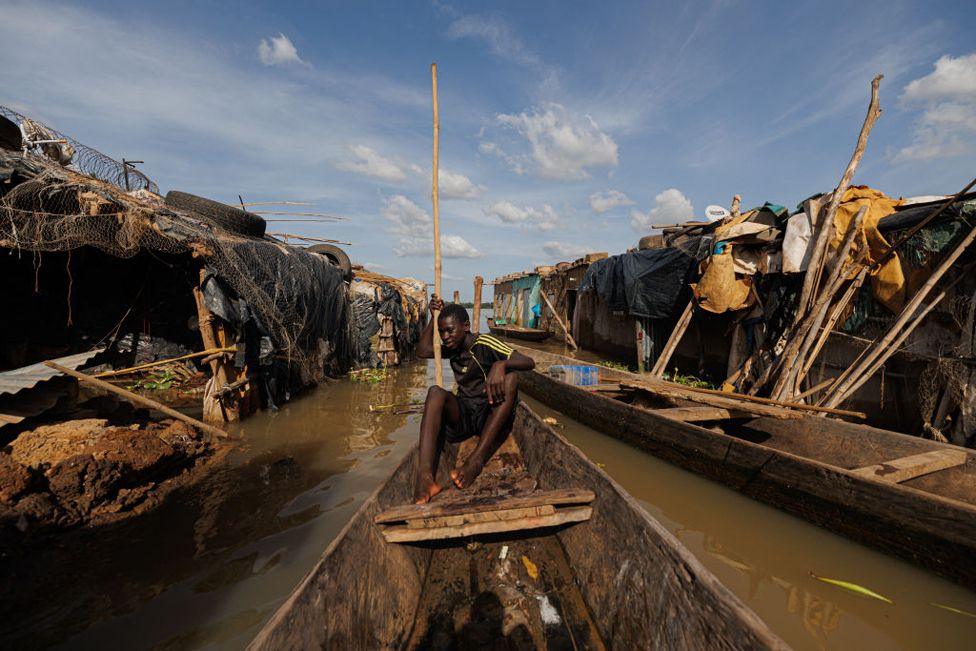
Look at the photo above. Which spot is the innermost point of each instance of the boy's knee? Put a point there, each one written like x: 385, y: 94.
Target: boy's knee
x: 435, y: 394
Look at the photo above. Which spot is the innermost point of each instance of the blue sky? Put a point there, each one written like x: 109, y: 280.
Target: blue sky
x: 565, y: 127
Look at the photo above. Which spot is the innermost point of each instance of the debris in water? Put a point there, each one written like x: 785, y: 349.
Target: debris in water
x: 530, y: 567
x: 548, y: 613
x: 853, y: 587
x: 504, y: 553
x: 953, y: 610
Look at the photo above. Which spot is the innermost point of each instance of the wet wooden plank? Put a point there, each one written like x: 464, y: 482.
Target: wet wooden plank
x: 405, y: 533
x: 480, y: 504
x: 916, y: 465
x: 482, y: 516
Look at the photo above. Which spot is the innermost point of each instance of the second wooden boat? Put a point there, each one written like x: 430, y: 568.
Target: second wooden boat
x: 518, y: 332
x: 614, y: 579
x: 906, y: 496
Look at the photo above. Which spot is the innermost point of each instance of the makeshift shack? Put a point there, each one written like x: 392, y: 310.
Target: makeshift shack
x: 389, y: 314
x: 90, y: 265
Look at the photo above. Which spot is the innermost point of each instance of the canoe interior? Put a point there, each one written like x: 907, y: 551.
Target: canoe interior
x: 929, y: 520
x: 618, y: 580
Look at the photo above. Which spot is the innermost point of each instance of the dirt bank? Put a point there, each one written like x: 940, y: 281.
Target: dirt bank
x: 80, y: 472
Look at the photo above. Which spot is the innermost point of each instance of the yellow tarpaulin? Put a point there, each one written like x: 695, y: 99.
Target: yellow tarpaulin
x: 719, y: 290
x: 887, y: 281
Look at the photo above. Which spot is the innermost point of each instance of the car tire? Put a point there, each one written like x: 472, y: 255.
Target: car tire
x: 336, y: 256
x: 226, y: 217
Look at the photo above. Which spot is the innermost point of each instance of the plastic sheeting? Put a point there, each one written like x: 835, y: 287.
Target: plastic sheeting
x: 645, y: 283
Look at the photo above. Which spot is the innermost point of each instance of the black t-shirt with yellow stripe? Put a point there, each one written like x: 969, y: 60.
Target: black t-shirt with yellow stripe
x: 471, y: 367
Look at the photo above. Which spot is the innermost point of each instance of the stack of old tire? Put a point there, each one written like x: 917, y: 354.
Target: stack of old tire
x: 237, y: 220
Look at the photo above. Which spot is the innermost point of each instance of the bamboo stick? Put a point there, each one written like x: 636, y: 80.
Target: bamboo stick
x: 569, y: 337
x: 826, y: 221
x: 476, y: 309
x: 134, y: 397
x: 439, y: 372
x: 161, y: 362
x: 661, y: 365
x: 805, y: 336
x: 665, y: 385
x: 836, y: 311
x: 814, y: 389
x: 858, y: 379
x: 907, y: 313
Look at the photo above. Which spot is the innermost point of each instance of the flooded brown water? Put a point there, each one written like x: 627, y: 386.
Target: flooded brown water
x: 208, y: 569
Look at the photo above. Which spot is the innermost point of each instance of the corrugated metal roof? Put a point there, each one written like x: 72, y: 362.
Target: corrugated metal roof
x: 29, y: 376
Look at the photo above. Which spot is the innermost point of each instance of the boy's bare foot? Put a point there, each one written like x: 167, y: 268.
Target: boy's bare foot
x: 468, y: 472
x: 426, y: 489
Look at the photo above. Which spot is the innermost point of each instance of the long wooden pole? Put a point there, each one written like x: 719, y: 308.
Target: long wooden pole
x: 135, y: 397
x: 569, y: 337
x: 161, y: 362
x: 439, y: 372
x: 826, y: 221
x: 476, y: 309
x: 661, y: 365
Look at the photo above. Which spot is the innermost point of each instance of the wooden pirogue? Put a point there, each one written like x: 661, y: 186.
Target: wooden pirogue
x: 518, y: 332
x: 906, y: 496
x: 617, y: 580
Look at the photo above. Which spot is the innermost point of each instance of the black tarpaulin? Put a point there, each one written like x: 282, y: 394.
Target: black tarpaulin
x: 645, y: 283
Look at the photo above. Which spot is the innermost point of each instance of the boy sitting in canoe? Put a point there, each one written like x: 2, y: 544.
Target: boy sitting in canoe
x: 487, y: 391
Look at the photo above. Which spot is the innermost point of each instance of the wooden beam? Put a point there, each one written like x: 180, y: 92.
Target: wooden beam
x: 481, y: 516
x: 136, y: 398
x: 478, y: 505
x: 905, y: 468
x: 569, y: 337
x: 754, y: 404
x: 476, y: 309
x: 563, y: 516
x: 661, y: 365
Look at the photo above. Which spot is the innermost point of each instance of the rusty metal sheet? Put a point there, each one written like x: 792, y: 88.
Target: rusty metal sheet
x: 27, y: 377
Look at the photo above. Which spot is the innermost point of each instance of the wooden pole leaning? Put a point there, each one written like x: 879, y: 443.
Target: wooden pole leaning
x: 136, y: 398
x: 661, y: 365
x: 438, y: 370
x: 476, y: 309
x: 569, y: 337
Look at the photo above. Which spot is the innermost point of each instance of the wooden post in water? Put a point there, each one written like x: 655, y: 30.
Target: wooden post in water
x: 476, y: 309
x: 457, y: 296
x: 438, y: 370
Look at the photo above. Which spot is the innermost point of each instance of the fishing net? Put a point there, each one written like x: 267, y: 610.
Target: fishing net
x: 297, y: 298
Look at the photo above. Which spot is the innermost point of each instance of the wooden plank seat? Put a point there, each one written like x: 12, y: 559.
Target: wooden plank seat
x: 503, y: 498
x: 916, y: 465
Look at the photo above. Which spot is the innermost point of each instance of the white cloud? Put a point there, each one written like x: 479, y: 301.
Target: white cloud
x: 406, y: 217
x: 453, y: 185
x: 947, y: 125
x: 278, y: 51
x: 415, y: 228
x: 564, y: 250
x: 371, y: 163
x: 601, y: 202
x: 542, y: 219
x: 452, y: 246
x: 561, y: 145
x: 497, y: 35
x: 670, y: 207
x: 952, y: 79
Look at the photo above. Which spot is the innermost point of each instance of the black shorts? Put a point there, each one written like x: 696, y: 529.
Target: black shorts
x: 473, y: 416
